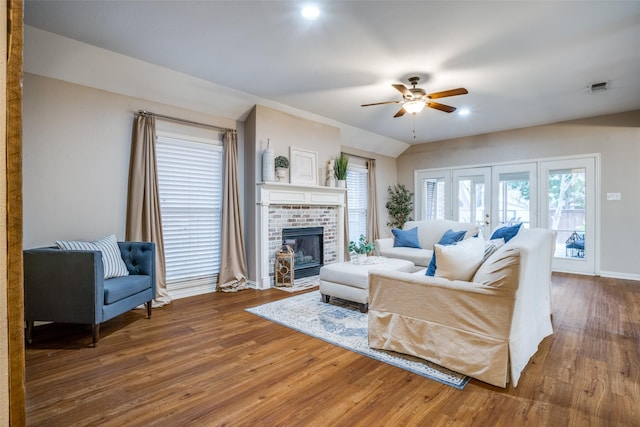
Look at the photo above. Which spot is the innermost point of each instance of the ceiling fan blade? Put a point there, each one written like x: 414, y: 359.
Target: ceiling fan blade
x: 381, y: 103
x: 400, y: 112
x: 441, y: 107
x: 451, y: 92
x: 403, y: 90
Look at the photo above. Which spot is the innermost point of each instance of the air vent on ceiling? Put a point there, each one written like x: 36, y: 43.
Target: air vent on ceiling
x: 597, y: 87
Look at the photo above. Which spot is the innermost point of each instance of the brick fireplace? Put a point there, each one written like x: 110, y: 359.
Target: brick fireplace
x: 289, y: 206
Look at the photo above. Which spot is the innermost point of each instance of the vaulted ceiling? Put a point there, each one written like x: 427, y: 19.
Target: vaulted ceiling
x: 524, y: 63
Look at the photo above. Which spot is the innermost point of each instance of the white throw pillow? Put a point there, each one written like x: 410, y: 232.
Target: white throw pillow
x: 459, y: 261
x: 112, y: 261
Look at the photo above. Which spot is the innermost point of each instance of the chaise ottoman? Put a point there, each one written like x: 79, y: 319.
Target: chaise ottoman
x: 350, y: 281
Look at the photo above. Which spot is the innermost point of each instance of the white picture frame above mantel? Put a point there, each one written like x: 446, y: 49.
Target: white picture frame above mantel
x: 303, y: 166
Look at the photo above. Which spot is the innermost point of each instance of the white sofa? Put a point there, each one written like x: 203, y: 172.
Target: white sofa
x: 487, y: 328
x: 429, y: 232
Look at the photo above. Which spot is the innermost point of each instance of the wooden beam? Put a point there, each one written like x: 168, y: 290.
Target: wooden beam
x: 13, y: 182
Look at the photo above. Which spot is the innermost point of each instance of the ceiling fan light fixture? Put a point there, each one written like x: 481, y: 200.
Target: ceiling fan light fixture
x: 310, y: 12
x: 414, y: 107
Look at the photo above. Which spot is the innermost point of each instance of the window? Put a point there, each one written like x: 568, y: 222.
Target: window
x: 357, y: 189
x: 190, y: 187
x: 434, y: 195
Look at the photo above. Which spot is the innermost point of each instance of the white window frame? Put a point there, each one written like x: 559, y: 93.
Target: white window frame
x: 356, y: 202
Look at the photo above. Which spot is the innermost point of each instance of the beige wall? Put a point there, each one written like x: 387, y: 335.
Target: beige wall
x: 285, y: 131
x: 76, y: 146
x: 615, y: 137
x: 76, y: 157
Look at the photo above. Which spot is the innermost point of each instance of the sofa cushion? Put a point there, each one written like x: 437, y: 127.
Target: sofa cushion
x: 430, y: 231
x: 419, y: 257
x: 501, y: 270
x: 460, y: 260
x: 448, y: 238
x: 112, y: 261
x: 507, y: 232
x: 406, y: 238
x: 120, y: 288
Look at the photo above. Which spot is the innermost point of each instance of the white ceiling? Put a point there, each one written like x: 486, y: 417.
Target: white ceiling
x: 524, y: 63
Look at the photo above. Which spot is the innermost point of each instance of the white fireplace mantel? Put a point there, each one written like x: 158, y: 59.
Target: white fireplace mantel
x: 273, y: 193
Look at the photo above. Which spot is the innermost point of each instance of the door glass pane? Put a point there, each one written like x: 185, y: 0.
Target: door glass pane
x: 433, y: 195
x: 567, y: 214
x: 471, y: 199
x: 513, y: 198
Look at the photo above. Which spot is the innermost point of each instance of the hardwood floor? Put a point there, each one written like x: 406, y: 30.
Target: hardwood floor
x: 205, y: 361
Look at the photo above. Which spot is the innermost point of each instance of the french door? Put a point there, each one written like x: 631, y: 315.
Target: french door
x: 515, y: 195
x: 570, y: 210
x: 492, y: 197
x: 509, y: 194
x: 472, y: 197
x: 433, y: 194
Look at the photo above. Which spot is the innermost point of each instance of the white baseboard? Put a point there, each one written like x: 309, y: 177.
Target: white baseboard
x: 578, y: 273
x: 191, y: 291
x: 617, y: 275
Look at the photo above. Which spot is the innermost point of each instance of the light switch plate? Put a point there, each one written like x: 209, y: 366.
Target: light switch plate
x: 614, y: 196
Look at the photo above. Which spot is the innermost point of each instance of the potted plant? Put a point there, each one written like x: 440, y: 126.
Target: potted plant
x: 400, y: 205
x: 362, y: 248
x: 282, y: 164
x: 340, y: 167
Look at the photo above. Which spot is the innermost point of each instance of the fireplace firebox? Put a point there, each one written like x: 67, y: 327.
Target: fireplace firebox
x: 308, y: 250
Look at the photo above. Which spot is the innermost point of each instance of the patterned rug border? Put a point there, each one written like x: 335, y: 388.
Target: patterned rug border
x: 391, y: 358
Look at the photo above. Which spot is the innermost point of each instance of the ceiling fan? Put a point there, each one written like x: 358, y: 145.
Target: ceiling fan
x: 415, y: 99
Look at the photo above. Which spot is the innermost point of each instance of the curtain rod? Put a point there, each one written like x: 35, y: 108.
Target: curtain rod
x: 190, y: 122
x: 355, y: 155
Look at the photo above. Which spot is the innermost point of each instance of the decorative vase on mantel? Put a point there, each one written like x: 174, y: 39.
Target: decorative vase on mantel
x: 268, y: 159
x: 342, y: 183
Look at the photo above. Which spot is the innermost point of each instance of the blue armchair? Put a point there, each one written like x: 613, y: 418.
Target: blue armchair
x: 69, y: 286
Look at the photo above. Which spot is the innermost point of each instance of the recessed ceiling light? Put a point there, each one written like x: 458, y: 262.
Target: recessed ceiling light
x: 464, y: 112
x: 310, y: 12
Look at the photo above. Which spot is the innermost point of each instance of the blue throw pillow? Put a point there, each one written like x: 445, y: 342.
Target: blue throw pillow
x: 506, y: 233
x: 406, y: 238
x: 449, y: 237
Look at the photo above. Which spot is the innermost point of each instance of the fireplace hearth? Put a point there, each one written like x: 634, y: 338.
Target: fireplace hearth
x: 307, y: 245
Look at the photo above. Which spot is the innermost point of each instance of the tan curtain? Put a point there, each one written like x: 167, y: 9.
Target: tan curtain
x: 233, y: 263
x: 144, y: 222
x: 346, y: 226
x: 372, y: 203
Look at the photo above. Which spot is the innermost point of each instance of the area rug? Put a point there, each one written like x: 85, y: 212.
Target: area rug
x: 301, y: 284
x: 342, y: 324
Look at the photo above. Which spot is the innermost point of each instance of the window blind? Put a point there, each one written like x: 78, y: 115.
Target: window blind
x: 434, y: 198
x: 190, y: 188
x: 357, y: 194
